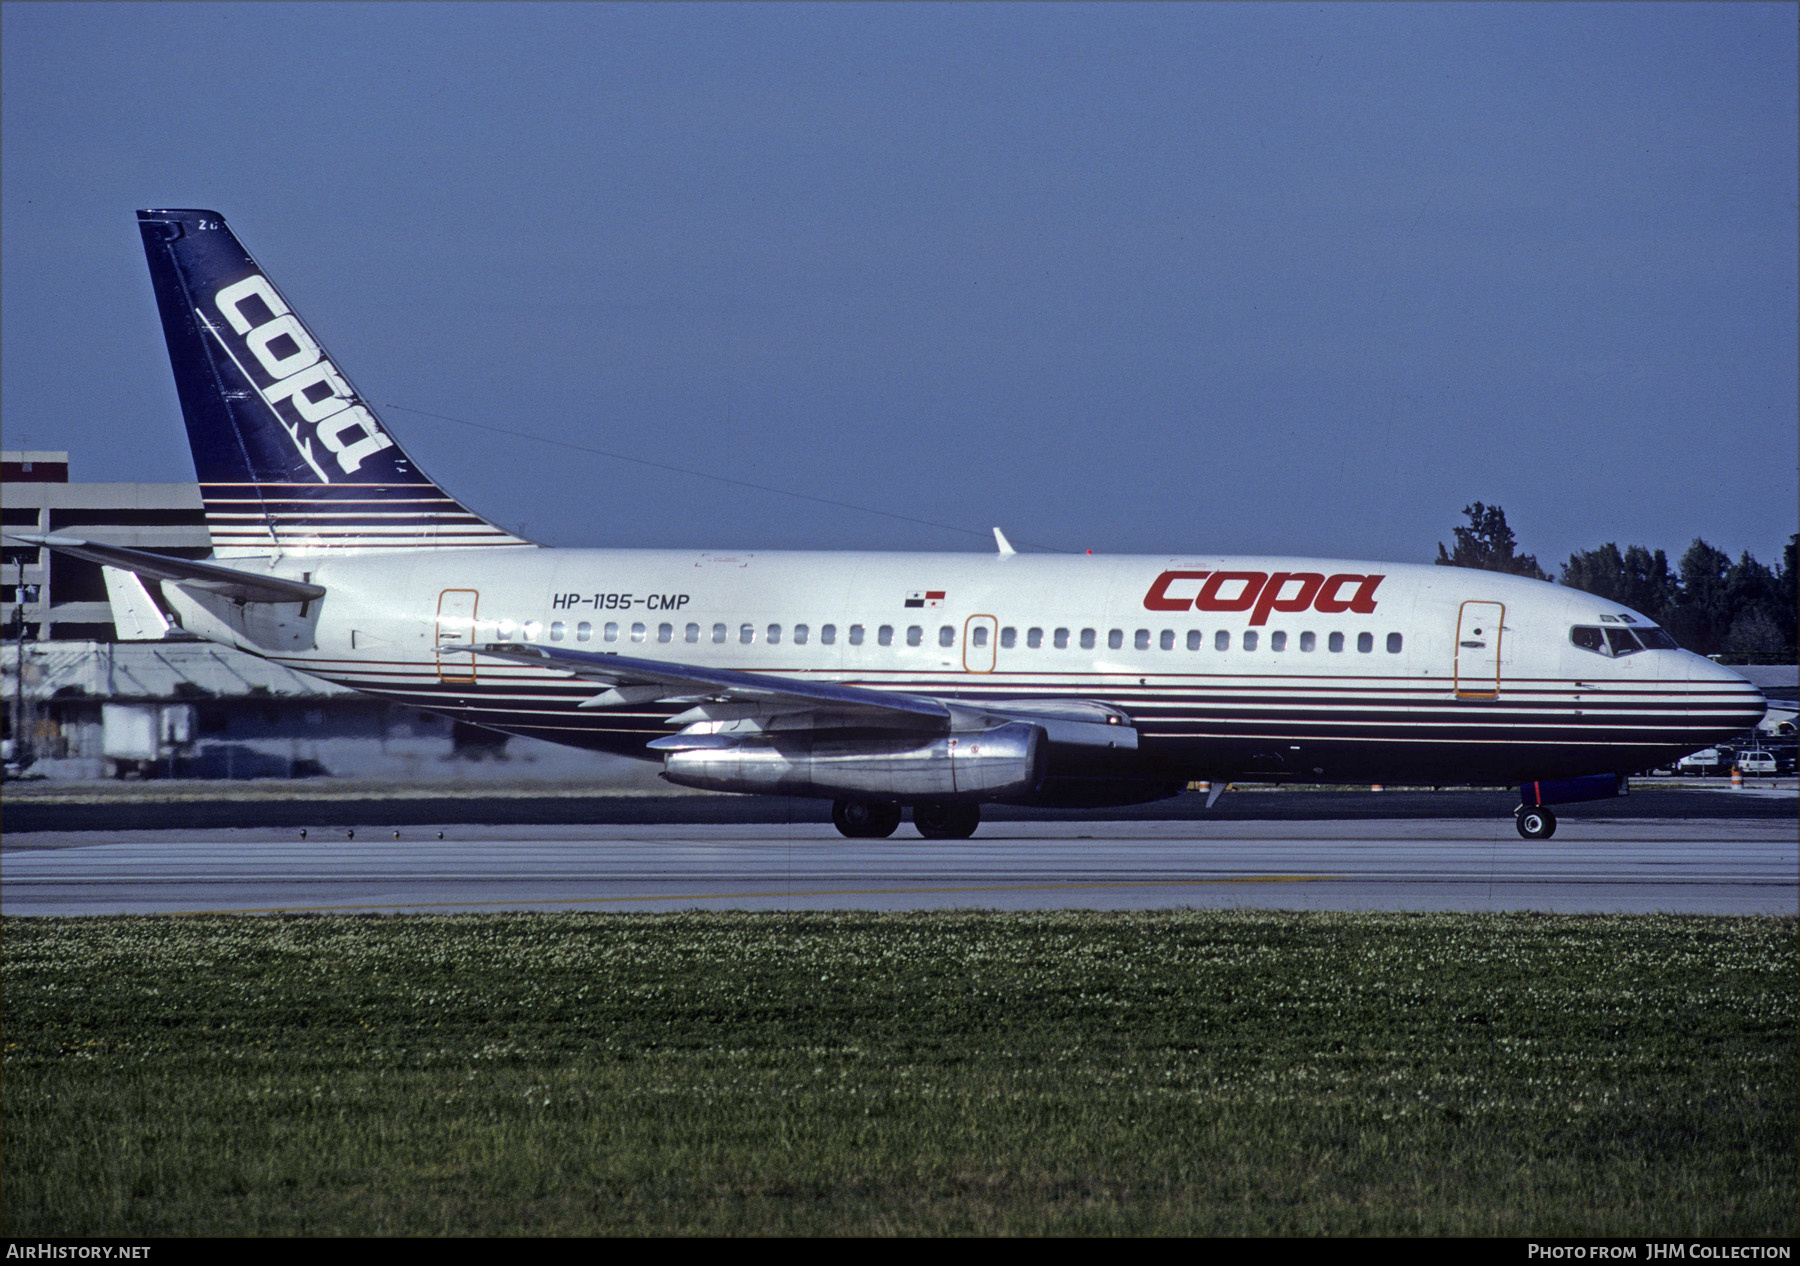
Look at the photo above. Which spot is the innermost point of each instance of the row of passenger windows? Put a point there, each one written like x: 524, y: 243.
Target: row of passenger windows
x: 1059, y: 639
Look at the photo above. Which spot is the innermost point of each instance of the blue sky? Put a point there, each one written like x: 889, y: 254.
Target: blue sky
x: 1149, y: 279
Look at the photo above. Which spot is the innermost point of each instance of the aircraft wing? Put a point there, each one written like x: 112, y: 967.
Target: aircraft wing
x: 244, y: 586
x: 727, y: 699
x: 641, y: 680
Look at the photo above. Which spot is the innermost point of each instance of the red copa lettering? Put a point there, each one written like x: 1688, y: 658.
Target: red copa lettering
x: 1209, y: 599
x: 1362, y: 601
x: 1158, y: 598
x: 1271, y: 599
x: 1262, y: 594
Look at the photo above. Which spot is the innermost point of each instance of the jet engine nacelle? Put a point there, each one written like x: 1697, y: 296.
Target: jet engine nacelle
x: 1007, y: 760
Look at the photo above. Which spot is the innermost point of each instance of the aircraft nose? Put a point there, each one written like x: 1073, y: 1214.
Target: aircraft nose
x: 1721, y: 701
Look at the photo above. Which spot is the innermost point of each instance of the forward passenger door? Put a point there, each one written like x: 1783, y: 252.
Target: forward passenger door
x: 1478, y: 630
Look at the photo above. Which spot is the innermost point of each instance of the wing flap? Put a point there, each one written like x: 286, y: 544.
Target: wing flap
x: 625, y: 676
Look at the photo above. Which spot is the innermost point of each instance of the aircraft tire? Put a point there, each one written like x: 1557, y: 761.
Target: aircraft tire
x: 865, y: 819
x: 1535, y: 824
x: 940, y: 820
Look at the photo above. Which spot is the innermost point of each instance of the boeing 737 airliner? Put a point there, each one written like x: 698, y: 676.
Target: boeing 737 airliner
x: 938, y: 682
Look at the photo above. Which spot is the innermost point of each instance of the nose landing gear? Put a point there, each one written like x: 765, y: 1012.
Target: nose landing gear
x: 1534, y: 823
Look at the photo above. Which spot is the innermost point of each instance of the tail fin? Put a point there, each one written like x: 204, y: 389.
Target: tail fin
x: 290, y: 457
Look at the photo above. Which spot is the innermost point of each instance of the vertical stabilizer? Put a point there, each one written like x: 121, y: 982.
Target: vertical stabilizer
x: 290, y: 458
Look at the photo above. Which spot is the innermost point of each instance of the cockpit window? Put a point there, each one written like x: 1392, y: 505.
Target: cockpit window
x: 1616, y: 642
x: 1622, y: 642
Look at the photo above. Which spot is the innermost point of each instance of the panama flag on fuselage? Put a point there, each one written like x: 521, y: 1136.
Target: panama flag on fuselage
x: 925, y: 598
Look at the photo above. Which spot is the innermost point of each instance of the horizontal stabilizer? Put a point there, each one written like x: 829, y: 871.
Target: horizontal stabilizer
x: 243, y: 586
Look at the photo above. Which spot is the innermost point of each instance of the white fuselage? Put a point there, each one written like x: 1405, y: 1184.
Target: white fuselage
x: 1343, y: 670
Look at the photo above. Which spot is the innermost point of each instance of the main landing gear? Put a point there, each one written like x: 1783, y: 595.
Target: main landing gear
x: 946, y: 819
x: 1534, y: 823
x: 877, y: 819
x: 865, y: 819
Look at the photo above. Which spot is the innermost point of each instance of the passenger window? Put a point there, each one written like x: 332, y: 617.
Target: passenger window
x: 583, y: 631
x: 915, y: 636
x: 1168, y: 640
x: 828, y: 634
x: 1308, y: 641
x: 505, y: 629
x: 800, y: 633
x: 693, y: 632
x: 1034, y: 638
x: 978, y: 636
x: 1193, y: 642
x: 885, y: 635
x: 556, y: 630
x: 638, y: 631
x: 747, y: 634
x: 856, y: 635
x: 1009, y: 638
x: 612, y: 631
x: 1278, y: 641
x: 1141, y: 640
x: 531, y: 630
x: 1115, y: 638
x: 1249, y: 639
x: 947, y: 635
x: 1062, y: 639
x: 1087, y: 639
x: 665, y: 632
x: 1395, y: 641
x: 1221, y: 641
x: 774, y: 634
x: 1623, y: 643
x: 1365, y: 642
x: 719, y: 632
x: 1335, y: 643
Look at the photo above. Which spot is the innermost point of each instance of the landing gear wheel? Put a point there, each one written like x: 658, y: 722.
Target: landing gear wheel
x: 865, y: 819
x: 939, y: 820
x: 1535, y: 824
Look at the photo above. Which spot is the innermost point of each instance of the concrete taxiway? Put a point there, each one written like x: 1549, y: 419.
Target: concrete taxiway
x: 1613, y: 865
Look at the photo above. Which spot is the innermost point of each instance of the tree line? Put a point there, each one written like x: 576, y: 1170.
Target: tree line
x: 1707, y: 602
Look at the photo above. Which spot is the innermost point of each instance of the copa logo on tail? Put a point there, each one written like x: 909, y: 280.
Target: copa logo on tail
x: 300, y: 376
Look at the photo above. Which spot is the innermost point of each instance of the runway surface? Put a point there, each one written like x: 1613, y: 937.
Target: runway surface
x: 1738, y: 866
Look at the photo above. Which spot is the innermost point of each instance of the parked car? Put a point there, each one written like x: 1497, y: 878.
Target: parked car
x: 1708, y: 760
x: 1757, y: 762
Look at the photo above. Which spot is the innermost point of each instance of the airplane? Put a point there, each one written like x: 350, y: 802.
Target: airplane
x: 883, y: 682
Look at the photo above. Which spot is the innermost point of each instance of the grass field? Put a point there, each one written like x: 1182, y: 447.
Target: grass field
x: 1180, y: 1072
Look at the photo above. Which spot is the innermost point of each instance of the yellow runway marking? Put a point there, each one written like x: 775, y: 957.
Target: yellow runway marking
x: 767, y: 896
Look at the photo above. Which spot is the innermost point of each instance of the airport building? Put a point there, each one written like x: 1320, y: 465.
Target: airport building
x: 82, y: 704
x: 47, y: 596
